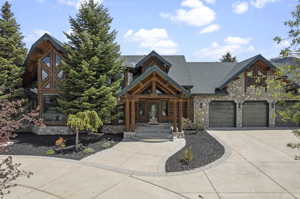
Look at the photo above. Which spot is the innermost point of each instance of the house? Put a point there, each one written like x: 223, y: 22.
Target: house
x: 165, y: 89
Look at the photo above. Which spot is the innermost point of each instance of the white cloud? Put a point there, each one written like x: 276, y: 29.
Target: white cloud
x: 75, y: 3
x: 210, y: 1
x: 237, y: 40
x: 283, y: 44
x: 216, y: 50
x: 261, y: 3
x: 210, y: 28
x: 240, y: 7
x: 195, y: 13
x: 36, y: 34
x: 153, y: 39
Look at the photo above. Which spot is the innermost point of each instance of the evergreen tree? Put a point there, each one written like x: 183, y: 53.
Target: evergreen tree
x: 12, y: 54
x: 228, y: 58
x: 92, y: 65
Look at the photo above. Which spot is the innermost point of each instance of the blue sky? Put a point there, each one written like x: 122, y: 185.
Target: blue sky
x: 202, y: 30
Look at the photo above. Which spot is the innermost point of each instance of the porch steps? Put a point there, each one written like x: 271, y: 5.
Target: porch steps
x: 159, y: 132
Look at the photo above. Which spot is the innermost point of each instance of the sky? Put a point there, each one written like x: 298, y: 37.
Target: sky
x: 202, y: 30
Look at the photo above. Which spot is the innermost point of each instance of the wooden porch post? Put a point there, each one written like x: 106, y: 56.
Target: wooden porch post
x: 132, y: 116
x: 180, y: 116
x: 174, y: 116
x: 127, y: 116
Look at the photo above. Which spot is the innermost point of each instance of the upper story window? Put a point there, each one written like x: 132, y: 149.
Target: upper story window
x: 50, y: 72
x: 256, y: 76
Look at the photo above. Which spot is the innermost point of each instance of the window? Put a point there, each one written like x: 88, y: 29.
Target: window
x: 46, y: 60
x: 50, y: 109
x: 164, y: 108
x: 50, y: 70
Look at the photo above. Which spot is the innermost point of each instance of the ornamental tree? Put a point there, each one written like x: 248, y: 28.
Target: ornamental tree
x: 83, y: 121
x: 92, y: 65
x: 286, y: 81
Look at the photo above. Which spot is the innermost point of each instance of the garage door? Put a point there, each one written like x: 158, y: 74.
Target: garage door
x: 255, y: 114
x: 284, y: 106
x: 222, y: 114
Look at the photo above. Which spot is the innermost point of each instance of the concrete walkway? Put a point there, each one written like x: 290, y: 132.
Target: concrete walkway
x: 136, y: 157
x: 260, y: 167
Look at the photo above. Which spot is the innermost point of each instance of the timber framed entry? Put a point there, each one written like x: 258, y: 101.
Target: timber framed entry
x: 154, y: 97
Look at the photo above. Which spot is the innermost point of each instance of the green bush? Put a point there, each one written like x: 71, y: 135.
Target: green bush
x: 50, y: 152
x: 106, y: 144
x: 187, y: 156
x: 297, y: 132
x: 88, y: 150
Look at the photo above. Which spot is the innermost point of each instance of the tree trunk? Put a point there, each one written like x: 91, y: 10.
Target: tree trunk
x: 77, y: 141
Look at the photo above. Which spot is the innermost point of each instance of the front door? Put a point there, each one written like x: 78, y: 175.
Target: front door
x: 153, y: 112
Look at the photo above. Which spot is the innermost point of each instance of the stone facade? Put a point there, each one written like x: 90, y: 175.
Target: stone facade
x: 236, y: 93
x: 52, y: 130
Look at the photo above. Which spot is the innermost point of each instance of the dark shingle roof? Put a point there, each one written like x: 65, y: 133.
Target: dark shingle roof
x: 46, y: 37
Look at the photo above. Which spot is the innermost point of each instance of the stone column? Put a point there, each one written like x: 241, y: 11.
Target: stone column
x: 239, y: 113
x: 272, y: 113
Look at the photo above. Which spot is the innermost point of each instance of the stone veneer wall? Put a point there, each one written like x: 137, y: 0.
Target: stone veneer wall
x: 236, y: 90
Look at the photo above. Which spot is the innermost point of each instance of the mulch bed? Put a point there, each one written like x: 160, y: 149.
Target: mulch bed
x: 38, y: 145
x: 205, y: 149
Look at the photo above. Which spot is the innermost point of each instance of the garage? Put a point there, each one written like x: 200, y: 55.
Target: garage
x: 222, y: 114
x: 255, y: 114
x: 280, y: 106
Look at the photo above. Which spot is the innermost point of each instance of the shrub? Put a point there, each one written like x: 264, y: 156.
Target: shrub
x: 297, y: 132
x: 9, y: 172
x: 187, y: 124
x: 50, y: 152
x: 88, y: 150
x: 187, y: 156
x: 106, y: 144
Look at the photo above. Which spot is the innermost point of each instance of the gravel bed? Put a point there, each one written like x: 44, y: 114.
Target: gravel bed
x: 205, y: 149
x: 38, y: 145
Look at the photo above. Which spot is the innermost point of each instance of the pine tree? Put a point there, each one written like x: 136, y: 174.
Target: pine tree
x: 228, y: 58
x: 92, y: 66
x: 12, y: 54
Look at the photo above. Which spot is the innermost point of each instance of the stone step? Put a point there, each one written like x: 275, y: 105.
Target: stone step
x: 158, y: 136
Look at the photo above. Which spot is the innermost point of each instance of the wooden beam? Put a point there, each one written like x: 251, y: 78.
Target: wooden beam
x: 127, y: 115
x: 174, y: 115
x: 132, y: 112
x: 180, y: 116
x: 155, y: 97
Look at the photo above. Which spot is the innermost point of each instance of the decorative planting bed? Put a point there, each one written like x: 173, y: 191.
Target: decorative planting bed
x: 204, y: 148
x: 40, y: 145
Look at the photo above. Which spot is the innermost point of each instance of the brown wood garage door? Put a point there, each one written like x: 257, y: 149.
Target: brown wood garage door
x: 280, y: 106
x: 255, y: 114
x: 222, y: 114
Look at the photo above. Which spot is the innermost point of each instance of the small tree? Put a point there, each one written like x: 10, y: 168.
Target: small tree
x: 228, y: 58
x: 83, y: 121
x: 9, y: 172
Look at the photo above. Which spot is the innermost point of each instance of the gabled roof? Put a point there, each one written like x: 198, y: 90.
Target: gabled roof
x: 241, y: 67
x: 148, y: 72
x: 153, y: 54
x: 46, y: 37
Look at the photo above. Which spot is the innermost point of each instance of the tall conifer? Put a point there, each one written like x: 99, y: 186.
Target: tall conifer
x: 92, y: 66
x: 12, y: 54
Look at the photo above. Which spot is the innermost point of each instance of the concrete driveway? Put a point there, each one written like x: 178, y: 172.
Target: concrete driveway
x: 259, y: 166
